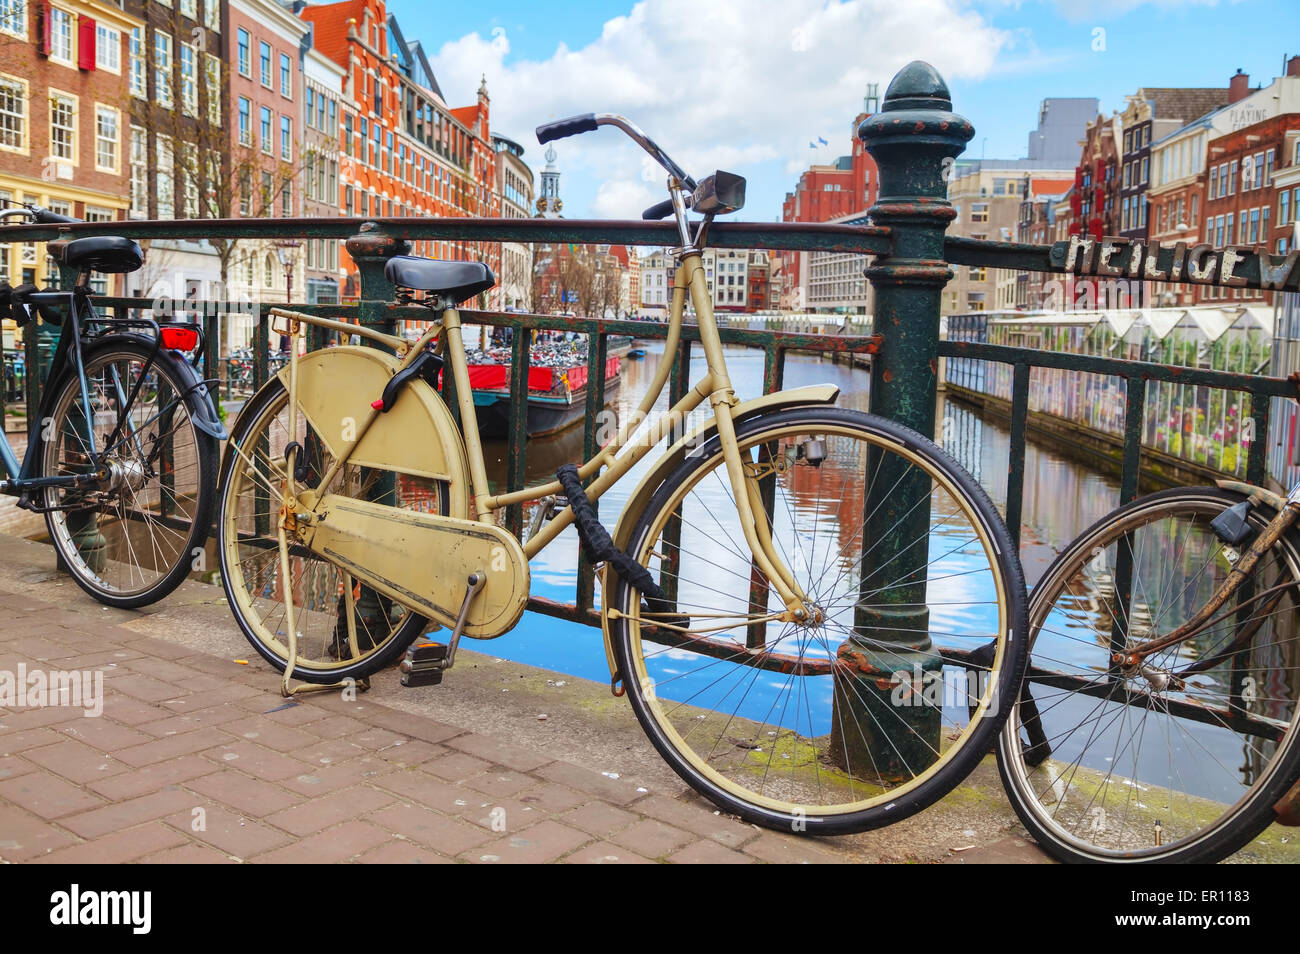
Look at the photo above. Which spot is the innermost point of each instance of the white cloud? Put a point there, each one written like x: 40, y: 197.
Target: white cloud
x: 715, y: 82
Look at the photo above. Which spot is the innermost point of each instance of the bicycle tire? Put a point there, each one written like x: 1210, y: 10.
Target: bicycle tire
x: 243, y: 566
x: 175, y: 539
x: 1040, y: 794
x: 732, y: 784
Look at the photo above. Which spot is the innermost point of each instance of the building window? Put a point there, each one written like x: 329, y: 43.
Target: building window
x: 286, y: 201
x: 286, y: 77
x: 979, y: 212
x: 1232, y: 177
x: 267, y: 145
x: 63, y: 127
x: 189, y: 80
x: 190, y: 9
x: 166, y: 178
x: 13, y: 20
x: 212, y: 67
x: 136, y: 53
x: 1283, y: 207
x: 106, y: 138
x: 242, y: 60
x: 190, y: 179
x: 60, y: 35
x: 1195, y: 209
x: 212, y: 15
x: 286, y: 138
x: 245, y: 122
x: 139, y: 172
x: 1146, y: 168
x: 162, y: 68
x: 13, y: 113
x: 265, y: 64
x: 245, y: 192
x: 108, y: 48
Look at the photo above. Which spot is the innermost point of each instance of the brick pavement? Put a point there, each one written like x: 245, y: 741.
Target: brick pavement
x: 196, y: 759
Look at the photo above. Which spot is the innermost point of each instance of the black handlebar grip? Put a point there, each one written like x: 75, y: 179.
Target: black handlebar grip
x: 46, y: 217
x: 660, y: 210
x: 566, y: 127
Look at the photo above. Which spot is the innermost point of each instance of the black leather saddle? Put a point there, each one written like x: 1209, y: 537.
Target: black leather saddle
x: 455, y: 280
x: 110, y: 254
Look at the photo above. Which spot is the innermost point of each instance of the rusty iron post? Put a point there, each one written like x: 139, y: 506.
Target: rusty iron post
x: 914, y: 140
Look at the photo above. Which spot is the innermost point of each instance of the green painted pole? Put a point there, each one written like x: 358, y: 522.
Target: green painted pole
x: 914, y: 140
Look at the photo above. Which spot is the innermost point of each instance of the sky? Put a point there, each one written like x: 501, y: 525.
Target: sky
x: 747, y: 85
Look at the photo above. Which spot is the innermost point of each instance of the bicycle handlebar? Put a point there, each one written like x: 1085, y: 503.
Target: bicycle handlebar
x: 589, y: 121
x: 38, y: 215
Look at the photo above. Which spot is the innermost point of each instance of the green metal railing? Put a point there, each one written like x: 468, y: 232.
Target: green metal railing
x: 913, y: 140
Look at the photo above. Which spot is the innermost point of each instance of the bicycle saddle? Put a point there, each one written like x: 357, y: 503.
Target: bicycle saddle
x: 455, y: 280
x: 109, y: 254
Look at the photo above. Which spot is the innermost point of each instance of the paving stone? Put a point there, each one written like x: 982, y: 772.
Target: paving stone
x: 598, y: 818
x: 708, y: 852
x: 118, y: 847
x: 697, y: 816
x: 339, y: 843
x: 652, y: 838
x: 248, y: 795
x: 605, y: 853
x: 173, y: 746
x: 551, y: 797
x: 171, y: 723
x: 24, y: 836
x: 498, y: 752
x: 133, y: 811
x: 190, y: 854
x: 105, y: 734
x: 151, y: 778
x: 455, y: 766
x: 319, y: 779
x: 401, y: 852
x: 309, y: 815
x: 45, y: 794
x: 613, y: 790
x: 787, y: 849
x: 546, y: 841
x: 75, y: 761
x: 256, y: 760
x: 282, y: 738
x: 437, y: 831
x: 229, y: 831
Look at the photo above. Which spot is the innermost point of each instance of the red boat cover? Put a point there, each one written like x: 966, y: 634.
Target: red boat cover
x: 496, y: 377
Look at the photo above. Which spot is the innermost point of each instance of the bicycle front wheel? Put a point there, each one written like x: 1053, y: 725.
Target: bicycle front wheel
x: 895, y: 687
x: 344, y: 629
x: 132, y: 539
x: 1182, y: 759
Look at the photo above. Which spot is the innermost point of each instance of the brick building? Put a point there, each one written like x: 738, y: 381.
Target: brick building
x: 322, y: 89
x: 63, y: 91
x: 1258, y: 135
x: 405, y: 152
x: 267, y: 159
x: 831, y: 192
x: 1150, y: 114
x: 178, y: 146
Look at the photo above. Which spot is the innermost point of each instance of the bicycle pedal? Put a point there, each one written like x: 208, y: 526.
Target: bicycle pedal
x: 424, y: 664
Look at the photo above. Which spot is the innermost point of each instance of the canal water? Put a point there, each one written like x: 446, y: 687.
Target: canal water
x: 1061, y: 497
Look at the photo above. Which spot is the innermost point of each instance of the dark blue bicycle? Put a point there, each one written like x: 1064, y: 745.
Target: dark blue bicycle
x: 122, y: 450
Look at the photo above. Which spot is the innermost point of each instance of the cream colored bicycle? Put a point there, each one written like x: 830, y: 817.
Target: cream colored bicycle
x: 817, y: 615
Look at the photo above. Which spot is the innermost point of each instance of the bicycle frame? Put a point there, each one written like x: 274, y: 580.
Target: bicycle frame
x: 617, y: 458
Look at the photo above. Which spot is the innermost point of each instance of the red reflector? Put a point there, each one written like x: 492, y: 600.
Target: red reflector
x: 179, y: 339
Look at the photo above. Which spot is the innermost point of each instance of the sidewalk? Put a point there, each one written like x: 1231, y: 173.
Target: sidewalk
x: 196, y: 758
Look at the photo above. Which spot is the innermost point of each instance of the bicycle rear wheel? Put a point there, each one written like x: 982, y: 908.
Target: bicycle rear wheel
x: 888, y: 701
x: 1141, y: 769
x: 132, y: 540
x: 337, y: 637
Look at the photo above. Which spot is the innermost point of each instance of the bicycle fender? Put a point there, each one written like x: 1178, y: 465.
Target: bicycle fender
x: 810, y: 396
x: 1276, y: 501
x: 204, y: 413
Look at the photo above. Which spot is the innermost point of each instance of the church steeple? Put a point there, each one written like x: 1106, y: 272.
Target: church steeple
x: 549, y: 203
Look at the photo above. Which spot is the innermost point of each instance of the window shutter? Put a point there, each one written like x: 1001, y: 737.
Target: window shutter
x: 86, y: 43
x: 47, y: 28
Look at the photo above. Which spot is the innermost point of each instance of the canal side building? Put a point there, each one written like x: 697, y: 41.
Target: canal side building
x: 64, y: 75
